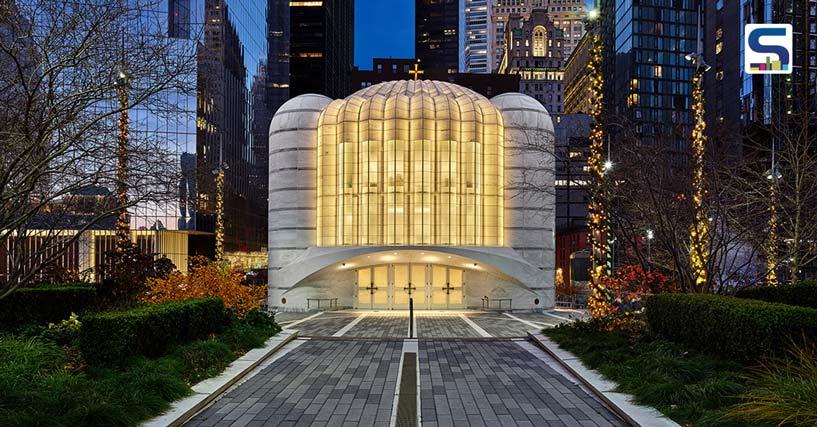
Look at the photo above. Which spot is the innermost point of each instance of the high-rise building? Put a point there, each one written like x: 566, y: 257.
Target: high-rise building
x: 436, y: 34
x: 321, y: 47
x: 232, y: 53
x: 389, y: 69
x: 567, y: 15
x: 211, y: 125
x: 648, y: 80
x: 475, y: 19
x: 534, y: 51
x: 577, y: 78
x: 277, y: 53
x: 766, y: 99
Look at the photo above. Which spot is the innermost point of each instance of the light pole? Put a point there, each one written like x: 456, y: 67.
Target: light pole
x: 122, y: 85
x: 650, y: 236
x: 699, y: 232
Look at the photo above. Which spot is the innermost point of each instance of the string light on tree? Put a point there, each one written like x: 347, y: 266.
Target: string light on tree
x: 600, y: 301
x: 123, y: 240
x: 699, y: 231
x: 773, y: 175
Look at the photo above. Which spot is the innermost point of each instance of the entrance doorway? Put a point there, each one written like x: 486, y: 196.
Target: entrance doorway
x: 390, y: 286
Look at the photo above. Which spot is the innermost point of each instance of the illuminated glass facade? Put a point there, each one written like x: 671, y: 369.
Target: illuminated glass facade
x: 410, y: 163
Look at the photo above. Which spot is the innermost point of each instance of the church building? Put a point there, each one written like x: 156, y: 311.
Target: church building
x: 419, y: 189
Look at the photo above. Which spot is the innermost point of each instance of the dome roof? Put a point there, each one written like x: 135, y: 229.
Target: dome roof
x: 299, y: 113
x: 523, y: 112
x: 450, y: 106
x: 413, y: 88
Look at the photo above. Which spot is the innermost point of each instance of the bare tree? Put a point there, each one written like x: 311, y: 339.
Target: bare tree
x: 58, y: 113
x: 650, y: 189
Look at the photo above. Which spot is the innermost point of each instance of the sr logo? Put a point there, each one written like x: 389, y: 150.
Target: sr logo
x: 768, y: 49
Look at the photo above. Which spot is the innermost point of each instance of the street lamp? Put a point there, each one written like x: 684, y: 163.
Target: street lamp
x: 650, y: 236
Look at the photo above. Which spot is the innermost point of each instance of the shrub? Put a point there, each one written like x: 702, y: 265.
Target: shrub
x: 782, y: 391
x: 728, y: 326
x: 45, y: 304
x: 152, y: 330
x: 803, y: 294
x: 207, y: 279
x: 623, y: 296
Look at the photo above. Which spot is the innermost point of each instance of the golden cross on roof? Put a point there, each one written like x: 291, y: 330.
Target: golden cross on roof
x: 416, y: 71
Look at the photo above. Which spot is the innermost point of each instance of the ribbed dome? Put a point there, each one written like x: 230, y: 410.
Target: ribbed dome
x: 417, y: 88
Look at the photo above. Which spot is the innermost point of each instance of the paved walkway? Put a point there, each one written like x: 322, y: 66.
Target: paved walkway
x: 347, y: 368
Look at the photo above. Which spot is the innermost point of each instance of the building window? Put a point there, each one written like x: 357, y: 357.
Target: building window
x: 539, y: 41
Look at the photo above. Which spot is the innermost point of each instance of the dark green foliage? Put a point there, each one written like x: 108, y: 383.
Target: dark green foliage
x: 731, y: 327
x: 45, y: 304
x: 803, y: 294
x: 41, y: 385
x: 686, y: 386
x: 243, y: 334
x: 782, y: 391
x: 150, y: 330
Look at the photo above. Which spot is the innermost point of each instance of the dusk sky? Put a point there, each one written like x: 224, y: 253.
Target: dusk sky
x: 385, y: 28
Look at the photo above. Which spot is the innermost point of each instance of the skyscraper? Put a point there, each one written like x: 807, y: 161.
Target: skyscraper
x: 321, y: 47
x: 648, y: 80
x: 436, y: 34
x: 475, y: 17
x: 567, y: 15
x: 534, y: 50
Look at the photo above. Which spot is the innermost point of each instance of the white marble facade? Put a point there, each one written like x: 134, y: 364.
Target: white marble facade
x: 521, y: 269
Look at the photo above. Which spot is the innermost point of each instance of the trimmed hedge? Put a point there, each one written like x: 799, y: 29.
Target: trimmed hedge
x: 727, y: 326
x: 803, y: 294
x: 152, y: 330
x: 45, y: 304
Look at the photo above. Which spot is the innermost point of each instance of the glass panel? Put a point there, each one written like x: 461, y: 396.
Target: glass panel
x: 401, y: 281
x: 381, y: 281
x: 439, y: 280
x: 364, y: 282
x: 456, y: 292
x: 418, y: 280
x: 411, y: 167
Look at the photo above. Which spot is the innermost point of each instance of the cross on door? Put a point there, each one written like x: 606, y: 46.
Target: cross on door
x: 448, y: 288
x: 371, y: 288
x: 409, y: 288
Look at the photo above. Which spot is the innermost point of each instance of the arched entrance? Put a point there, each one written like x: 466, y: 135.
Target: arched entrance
x: 389, y: 286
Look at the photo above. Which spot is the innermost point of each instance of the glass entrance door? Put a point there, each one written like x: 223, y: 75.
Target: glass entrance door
x: 455, y: 291
x: 402, y: 288
x: 390, y: 287
x: 373, y: 287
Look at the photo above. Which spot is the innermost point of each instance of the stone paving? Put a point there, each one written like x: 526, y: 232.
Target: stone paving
x: 352, y: 379
x: 499, y: 325
x: 319, y: 383
x: 444, y: 327
x: 381, y: 326
x: 324, y: 325
x: 498, y: 383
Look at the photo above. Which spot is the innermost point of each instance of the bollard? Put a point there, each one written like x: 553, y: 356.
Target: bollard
x: 411, y: 317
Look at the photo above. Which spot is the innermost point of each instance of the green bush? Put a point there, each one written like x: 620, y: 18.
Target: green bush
x: 731, y: 327
x: 151, y: 330
x: 45, y: 304
x: 803, y: 294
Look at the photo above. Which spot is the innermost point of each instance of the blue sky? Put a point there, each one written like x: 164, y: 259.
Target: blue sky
x: 385, y: 28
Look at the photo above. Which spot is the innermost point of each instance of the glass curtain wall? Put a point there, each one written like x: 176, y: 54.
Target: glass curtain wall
x: 410, y: 163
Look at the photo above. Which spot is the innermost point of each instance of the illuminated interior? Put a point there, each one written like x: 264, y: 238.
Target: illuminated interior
x: 410, y: 163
